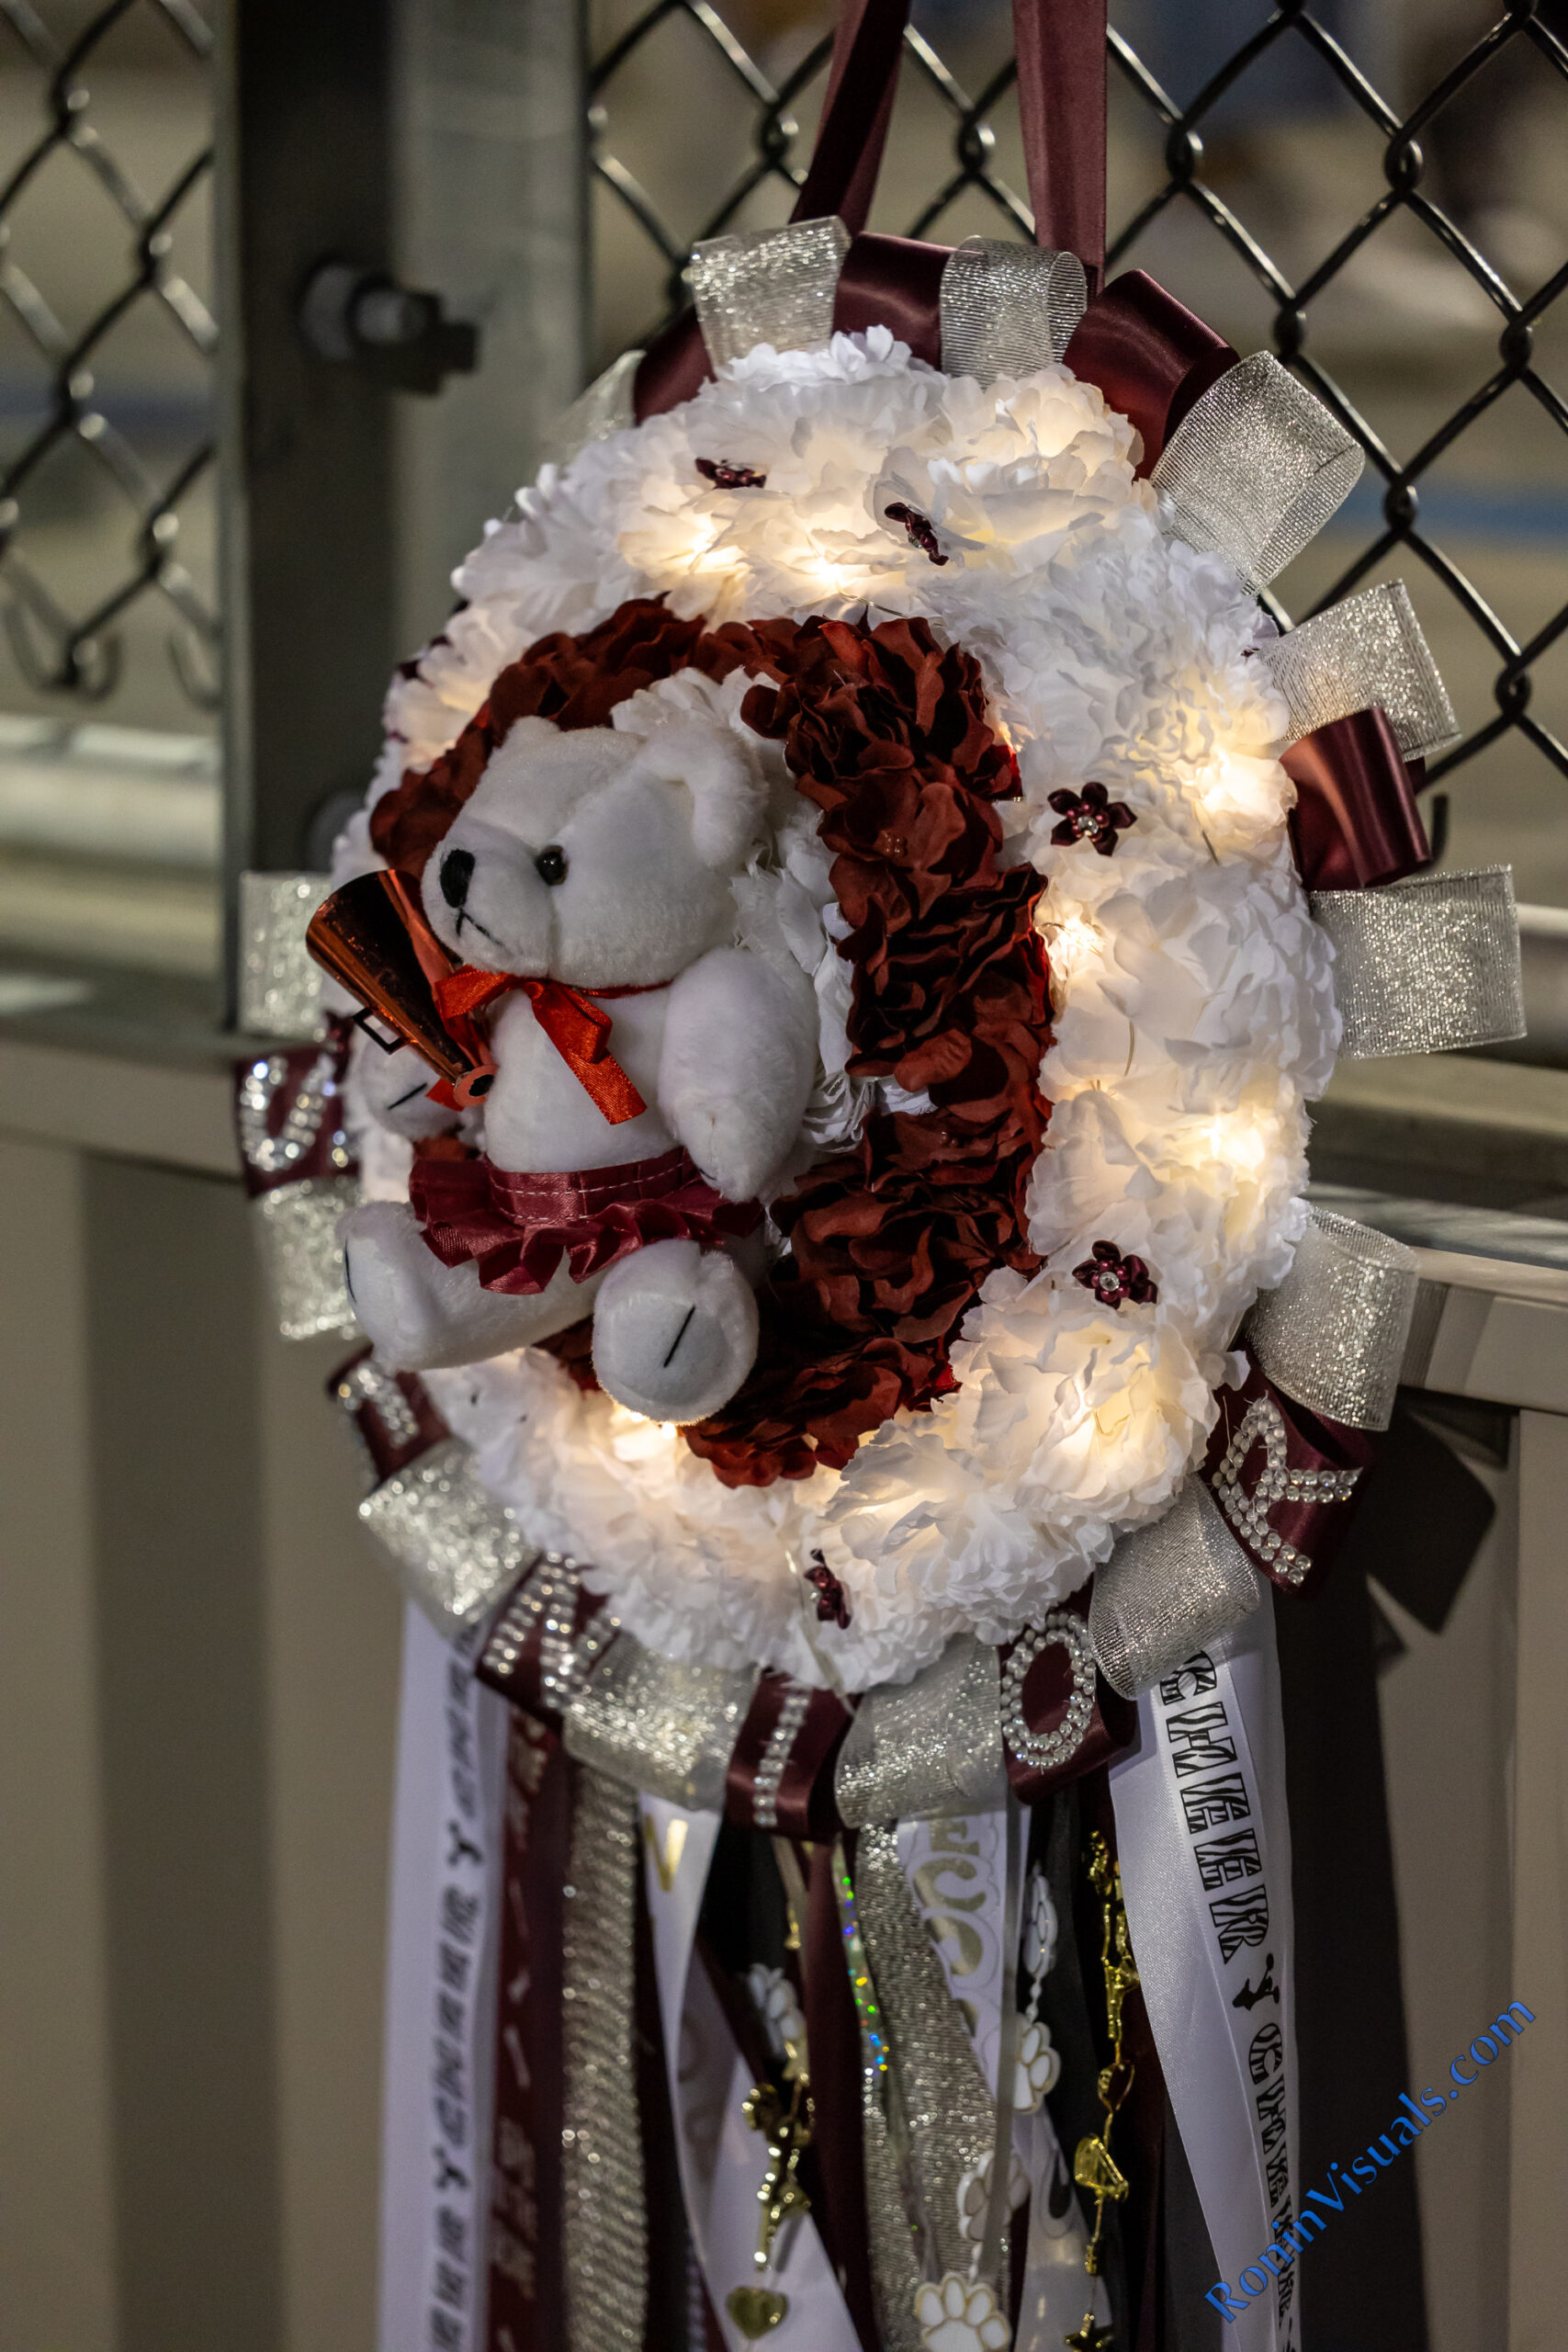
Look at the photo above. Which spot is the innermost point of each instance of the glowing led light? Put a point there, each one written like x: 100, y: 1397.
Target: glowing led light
x: 1242, y: 1143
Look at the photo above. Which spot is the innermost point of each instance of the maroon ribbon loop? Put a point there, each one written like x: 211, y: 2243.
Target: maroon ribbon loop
x: 856, y: 111
x: 1060, y: 46
x: 1356, y: 823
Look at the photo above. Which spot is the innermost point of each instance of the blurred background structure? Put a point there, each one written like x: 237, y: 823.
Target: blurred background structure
x: 289, y: 295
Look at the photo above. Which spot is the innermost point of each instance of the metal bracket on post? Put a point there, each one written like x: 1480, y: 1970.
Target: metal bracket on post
x: 363, y: 317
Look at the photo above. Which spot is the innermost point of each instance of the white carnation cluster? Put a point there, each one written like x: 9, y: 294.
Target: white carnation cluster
x: 1194, y: 1015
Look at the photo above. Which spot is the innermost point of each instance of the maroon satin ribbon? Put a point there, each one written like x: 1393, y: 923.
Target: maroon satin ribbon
x: 856, y: 113
x: 1060, y: 46
x: 390, y: 1450
x: 804, y: 1804
x: 1047, y: 1687
x: 1311, y: 1442
x: 1150, y: 356
x: 1355, y: 822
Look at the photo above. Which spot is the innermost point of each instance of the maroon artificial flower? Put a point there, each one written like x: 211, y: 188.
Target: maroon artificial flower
x: 725, y: 476
x: 1090, y: 816
x: 918, y: 526
x: 832, y: 1609
x: 1114, y: 1279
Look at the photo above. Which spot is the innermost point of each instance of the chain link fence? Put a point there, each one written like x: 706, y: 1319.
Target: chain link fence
x: 1384, y: 246
x: 106, y: 344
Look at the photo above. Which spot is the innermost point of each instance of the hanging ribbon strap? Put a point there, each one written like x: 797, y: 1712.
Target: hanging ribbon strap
x: 1061, y: 100
x: 855, y: 114
x: 577, y: 1027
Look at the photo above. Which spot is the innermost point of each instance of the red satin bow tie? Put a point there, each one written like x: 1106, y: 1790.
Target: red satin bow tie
x: 577, y: 1027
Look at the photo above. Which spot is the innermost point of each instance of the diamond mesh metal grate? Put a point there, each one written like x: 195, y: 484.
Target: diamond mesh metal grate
x: 105, y: 345
x: 953, y: 168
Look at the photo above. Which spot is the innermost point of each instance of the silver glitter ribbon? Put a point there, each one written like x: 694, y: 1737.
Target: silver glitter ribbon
x: 929, y: 1746
x: 655, y: 1723
x: 1368, y: 650
x: 1427, y: 966
x: 773, y: 286
x: 604, y: 2223
x: 1007, y: 309
x: 297, y: 1225
x: 1333, y: 1335
x: 894, y: 2264
x: 280, y: 982
x: 947, y: 2110
x: 1255, y: 468
x: 1169, y: 1589
x: 452, y: 1545
x: 607, y: 406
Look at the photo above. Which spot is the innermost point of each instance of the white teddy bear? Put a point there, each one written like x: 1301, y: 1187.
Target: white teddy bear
x: 603, y: 862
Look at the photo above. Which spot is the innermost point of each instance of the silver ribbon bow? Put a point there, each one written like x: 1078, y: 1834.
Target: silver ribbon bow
x: 1427, y: 966
x: 929, y: 1746
x: 301, y: 1256
x: 773, y: 286
x: 607, y: 406
x: 453, y: 1547
x: 1368, y: 650
x: 656, y: 1724
x: 1167, y: 1591
x: 1333, y: 1335
x: 1255, y: 468
x: 280, y: 981
x: 1007, y: 309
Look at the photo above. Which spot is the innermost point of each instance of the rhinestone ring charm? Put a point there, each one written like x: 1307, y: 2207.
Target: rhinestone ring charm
x: 1046, y: 1749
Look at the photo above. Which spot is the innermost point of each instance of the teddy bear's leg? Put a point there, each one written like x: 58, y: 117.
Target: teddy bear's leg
x: 674, y: 1330
x: 421, y: 1314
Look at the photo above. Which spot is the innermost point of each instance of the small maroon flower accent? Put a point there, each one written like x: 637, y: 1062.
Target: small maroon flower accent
x: 832, y: 1609
x: 1092, y: 816
x: 1113, y: 1278
x: 919, y: 527
x: 724, y: 476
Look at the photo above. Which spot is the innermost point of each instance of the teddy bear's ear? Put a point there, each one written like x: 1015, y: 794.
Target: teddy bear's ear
x: 725, y: 783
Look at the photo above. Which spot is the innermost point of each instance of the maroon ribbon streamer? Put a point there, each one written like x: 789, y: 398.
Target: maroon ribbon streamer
x: 525, y: 2301
x: 856, y: 111
x: 1355, y: 822
x: 1060, y: 46
x: 804, y: 1804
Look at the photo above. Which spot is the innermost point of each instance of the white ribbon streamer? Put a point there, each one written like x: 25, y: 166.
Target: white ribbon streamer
x: 1205, y: 1851
x: 723, y: 2162
x: 438, y: 2070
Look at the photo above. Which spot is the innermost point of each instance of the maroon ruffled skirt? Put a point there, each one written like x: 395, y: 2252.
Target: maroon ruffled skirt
x: 516, y: 1228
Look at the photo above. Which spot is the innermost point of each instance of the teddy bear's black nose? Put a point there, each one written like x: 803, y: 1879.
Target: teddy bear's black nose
x: 550, y: 865
x: 457, y: 873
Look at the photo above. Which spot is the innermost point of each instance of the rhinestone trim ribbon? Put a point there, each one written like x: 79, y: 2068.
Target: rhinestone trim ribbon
x: 1169, y: 1589
x: 1428, y: 965
x: 1333, y: 1336
x: 776, y: 1756
x: 1257, y: 467
x: 1368, y: 650
x: 1046, y: 1749
x: 894, y: 2269
x: 548, y: 1598
x: 606, y: 2251
x: 774, y: 285
x: 452, y: 1545
x: 1007, y: 309
x: 1248, y: 1514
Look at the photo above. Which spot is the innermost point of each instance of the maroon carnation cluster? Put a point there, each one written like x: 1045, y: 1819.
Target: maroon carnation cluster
x: 885, y: 730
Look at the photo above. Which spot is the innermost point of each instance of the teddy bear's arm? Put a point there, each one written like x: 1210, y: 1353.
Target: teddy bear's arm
x: 737, y: 1066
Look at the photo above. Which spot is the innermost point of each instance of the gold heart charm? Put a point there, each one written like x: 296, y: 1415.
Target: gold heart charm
x: 755, y: 2310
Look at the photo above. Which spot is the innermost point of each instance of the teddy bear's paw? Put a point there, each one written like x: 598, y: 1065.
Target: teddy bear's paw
x: 421, y: 1313
x: 396, y: 1088
x: 674, y: 1331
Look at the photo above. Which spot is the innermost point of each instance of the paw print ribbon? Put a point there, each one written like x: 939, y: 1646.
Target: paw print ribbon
x: 577, y: 1027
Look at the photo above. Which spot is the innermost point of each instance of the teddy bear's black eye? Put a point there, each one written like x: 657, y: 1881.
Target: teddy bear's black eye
x: 550, y: 865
